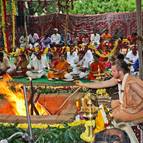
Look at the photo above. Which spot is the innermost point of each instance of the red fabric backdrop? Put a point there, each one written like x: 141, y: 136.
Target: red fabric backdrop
x: 126, y: 22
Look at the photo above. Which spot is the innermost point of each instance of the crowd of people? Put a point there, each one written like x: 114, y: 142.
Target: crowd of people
x: 58, y: 57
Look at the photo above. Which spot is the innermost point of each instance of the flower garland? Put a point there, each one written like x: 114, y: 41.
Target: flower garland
x: 103, y: 55
x: 44, y: 125
x: 13, y: 23
x: 3, y: 10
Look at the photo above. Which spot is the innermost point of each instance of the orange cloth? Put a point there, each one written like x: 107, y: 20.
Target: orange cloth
x: 59, y: 70
x: 106, y: 36
x: 132, y: 107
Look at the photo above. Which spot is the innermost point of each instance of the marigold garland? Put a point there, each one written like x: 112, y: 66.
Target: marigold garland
x: 3, y: 11
x: 103, y: 55
x: 43, y: 126
x: 13, y: 23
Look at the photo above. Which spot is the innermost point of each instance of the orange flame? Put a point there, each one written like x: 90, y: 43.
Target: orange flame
x: 14, y: 95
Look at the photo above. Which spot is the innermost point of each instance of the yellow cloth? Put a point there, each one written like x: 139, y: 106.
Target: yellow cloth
x: 99, y: 122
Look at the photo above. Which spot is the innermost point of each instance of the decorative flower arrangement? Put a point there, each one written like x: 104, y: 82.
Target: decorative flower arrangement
x: 101, y: 92
x: 103, y: 55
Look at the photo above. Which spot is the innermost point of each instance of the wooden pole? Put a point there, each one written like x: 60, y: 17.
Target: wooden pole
x: 66, y: 28
x: 28, y: 115
x: 25, y: 26
x: 139, y: 31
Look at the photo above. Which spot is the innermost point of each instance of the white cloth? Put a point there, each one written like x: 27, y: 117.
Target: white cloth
x: 70, y: 59
x: 130, y: 57
x: 36, y: 64
x: 38, y: 68
x: 30, y: 39
x: 73, y: 58
x: 36, y: 37
x: 55, y: 38
x: 83, y: 74
x: 45, y: 42
x: 121, y: 88
x: 95, y: 38
x: 44, y: 61
x: 33, y: 38
x: 22, y: 40
x: 87, y: 59
x: 5, y: 65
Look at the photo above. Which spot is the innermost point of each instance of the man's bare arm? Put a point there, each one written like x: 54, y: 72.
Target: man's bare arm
x: 98, y: 84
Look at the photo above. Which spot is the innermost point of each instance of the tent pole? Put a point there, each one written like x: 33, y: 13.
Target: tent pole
x: 139, y: 31
x: 25, y: 24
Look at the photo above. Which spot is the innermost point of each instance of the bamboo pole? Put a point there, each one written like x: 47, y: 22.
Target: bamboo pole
x: 139, y: 31
x: 66, y: 100
x: 25, y: 26
x: 28, y: 115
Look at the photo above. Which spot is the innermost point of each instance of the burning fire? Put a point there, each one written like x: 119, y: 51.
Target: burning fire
x: 13, y: 93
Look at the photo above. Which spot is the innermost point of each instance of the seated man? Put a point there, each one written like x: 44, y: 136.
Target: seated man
x: 5, y: 66
x: 106, y: 36
x: 85, y: 62
x: 129, y: 106
x: 21, y: 64
x: 95, y: 38
x: 132, y: 56
x: 55, y: 37
x: 59, y: 68
x: 36, y: 68
x: 96, y: 67
x: 136, y: 66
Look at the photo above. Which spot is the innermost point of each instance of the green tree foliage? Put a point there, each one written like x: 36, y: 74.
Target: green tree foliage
x: 79, y: 6
x: 41, y: 7
x: 103, y: 6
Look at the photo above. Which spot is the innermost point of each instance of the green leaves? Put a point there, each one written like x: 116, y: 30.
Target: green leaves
x: 50, y: 135
x: 103, y: 6
x: 82, y: 6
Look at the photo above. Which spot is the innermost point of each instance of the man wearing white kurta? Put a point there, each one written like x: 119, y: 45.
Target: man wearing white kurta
x: 85, y: 63
x: 131, y: 57
x: 36, y: 68
x: 55, y: 37
x: 72, y: 59
x: 95, y: 38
